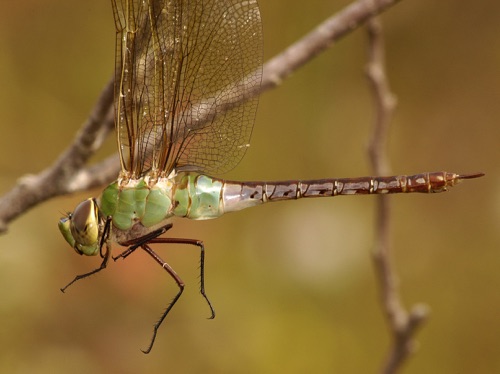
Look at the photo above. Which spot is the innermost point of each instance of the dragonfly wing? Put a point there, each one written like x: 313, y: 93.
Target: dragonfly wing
x: 183, y: 69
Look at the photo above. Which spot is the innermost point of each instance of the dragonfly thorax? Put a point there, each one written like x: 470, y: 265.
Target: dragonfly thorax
x: 132, y: 208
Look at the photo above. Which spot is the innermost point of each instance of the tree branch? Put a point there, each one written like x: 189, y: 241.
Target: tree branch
x: 68, y: 175
x: 59, y: 178
x: 402, y: 324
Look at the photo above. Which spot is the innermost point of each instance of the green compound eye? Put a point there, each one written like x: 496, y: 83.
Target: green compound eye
x: 81, y: 228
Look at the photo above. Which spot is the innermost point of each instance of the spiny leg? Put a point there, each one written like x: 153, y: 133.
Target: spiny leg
x: 179, y: 282
x: 152, y: 238
x: 199, y: 244
x: 105, y: 256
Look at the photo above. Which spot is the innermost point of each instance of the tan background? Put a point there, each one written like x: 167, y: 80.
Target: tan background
x: 292, y: 283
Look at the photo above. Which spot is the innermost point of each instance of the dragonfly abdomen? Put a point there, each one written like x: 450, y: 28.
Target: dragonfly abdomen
x: 241, y: 195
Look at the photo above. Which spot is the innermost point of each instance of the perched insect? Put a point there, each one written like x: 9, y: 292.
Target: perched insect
x: 186, y: 74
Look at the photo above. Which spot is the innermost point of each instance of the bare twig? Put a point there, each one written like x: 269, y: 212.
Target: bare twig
x: 58, y: 179
x: 402, y: 324
x: 68, y: 175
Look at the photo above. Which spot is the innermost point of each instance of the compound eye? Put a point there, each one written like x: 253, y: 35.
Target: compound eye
x: 85, y: 223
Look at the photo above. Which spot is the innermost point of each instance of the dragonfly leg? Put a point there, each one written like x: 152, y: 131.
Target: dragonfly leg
x: 177, y: 279
x: 136, y: 243
x: 105, y: 236
x: 199, y: 244
x: 179, y: 282
x: 104, y: 263
x: 105, y: 256
x: 152, y: 238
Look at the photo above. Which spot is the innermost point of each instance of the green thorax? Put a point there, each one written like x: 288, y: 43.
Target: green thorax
x: 185, y: 194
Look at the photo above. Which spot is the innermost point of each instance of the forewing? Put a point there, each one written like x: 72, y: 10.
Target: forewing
x: 183, y: 70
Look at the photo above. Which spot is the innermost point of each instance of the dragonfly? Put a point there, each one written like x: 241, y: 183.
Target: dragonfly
x: 186, y: 77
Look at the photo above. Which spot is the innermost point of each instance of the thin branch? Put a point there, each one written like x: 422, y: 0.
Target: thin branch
x: 402, y: 324
x: 56, y: 179
x: 68, y: 175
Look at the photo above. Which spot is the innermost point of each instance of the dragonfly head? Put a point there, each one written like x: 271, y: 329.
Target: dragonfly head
x: 81, y: 229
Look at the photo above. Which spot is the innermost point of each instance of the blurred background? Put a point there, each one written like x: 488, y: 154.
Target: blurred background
x: 292, y: 284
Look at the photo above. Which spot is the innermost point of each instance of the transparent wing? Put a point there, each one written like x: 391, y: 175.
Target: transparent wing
x: 183, y: 67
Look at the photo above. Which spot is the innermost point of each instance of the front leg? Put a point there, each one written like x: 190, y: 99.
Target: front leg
x: 104, y: 242
x: 104, y: 263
